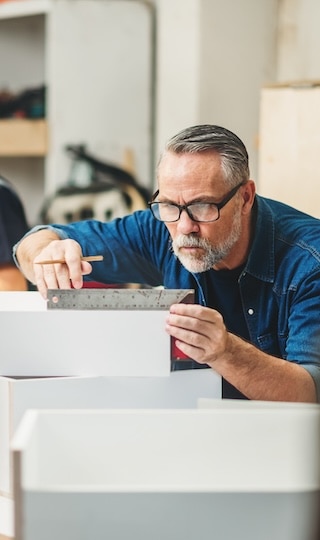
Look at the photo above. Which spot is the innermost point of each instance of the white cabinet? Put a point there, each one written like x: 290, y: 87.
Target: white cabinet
x: 181, y: 391
x: 223, y: 472
x: 95, y: 59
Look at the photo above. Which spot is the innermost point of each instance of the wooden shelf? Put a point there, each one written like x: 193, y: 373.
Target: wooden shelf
x: 23, y: 8
x: 23, y: 138
x: 48, y: 42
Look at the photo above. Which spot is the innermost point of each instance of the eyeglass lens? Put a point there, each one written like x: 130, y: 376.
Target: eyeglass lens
x: 196, y: 211
x: 170, y: 212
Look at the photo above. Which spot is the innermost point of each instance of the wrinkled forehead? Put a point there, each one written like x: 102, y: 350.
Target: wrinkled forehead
x: 199, y: 172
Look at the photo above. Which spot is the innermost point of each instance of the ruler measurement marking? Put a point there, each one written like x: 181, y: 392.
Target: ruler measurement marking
x: 117, y: 299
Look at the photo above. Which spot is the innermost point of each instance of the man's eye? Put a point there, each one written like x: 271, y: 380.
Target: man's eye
x: 199, y: 206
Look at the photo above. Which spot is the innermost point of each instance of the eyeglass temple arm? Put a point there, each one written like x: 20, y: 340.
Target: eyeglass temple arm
x: 154, y: 196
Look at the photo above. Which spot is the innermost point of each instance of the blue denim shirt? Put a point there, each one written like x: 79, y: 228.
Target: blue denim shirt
x: 279, y: 286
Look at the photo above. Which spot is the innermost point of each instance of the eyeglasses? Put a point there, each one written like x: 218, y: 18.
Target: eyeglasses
x: 197, y: 211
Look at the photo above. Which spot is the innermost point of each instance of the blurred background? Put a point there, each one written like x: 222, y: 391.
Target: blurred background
x: 113, y: 79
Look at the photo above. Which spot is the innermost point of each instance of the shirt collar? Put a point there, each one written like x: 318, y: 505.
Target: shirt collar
x: 261, y: 259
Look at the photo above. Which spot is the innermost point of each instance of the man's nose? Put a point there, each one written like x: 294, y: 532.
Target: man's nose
x: 186, y: 225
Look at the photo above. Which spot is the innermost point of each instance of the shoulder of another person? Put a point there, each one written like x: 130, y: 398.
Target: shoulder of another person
x: 4, y: 182
x: 7, y: 196
x: 6, y: 187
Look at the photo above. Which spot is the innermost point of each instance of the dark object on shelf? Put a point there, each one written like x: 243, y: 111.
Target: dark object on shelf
x: 95, y: 190
x: 28, y: 104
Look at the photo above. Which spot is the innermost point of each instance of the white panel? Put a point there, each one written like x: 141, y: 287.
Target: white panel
x: 298, y: 40
x: 6, y: 518
x: 181, y: 390
x: 87, y: 343
x: 213, y: 57
x: 237, y: 57
x: 178, y: 42
x: 80, y: 342
x: 261, y: 455
x: 99, y: 68
x: 22, y: 53
x: 4, y: 437
x: 170, y: 474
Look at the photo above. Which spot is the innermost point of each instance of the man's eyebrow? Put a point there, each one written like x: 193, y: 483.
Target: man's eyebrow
x: 197, y: 200
x: 204, y: 199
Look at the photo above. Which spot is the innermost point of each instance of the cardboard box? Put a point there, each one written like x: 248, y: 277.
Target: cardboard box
x: 289, y: 145
x: 222, y: 472
x: 181, y: 389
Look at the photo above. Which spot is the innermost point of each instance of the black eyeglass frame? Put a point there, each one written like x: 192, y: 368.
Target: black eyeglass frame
x: 185, y: 207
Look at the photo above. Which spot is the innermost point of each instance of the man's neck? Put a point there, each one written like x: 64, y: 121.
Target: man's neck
x: 240, y: 251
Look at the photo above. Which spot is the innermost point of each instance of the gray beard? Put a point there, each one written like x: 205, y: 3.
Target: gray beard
x: 212, y: 254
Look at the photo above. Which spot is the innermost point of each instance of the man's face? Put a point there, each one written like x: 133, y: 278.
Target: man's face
x: 186, y: 178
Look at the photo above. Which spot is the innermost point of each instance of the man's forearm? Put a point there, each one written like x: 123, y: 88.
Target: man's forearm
x: 264, y: 377
x: 30, y: 247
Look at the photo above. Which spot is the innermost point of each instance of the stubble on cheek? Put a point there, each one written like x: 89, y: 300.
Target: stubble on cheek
x: 207, y: 255
x: 194, y: 260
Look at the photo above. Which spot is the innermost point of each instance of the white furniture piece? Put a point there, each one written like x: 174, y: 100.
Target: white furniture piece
x: 6, y: 519
x: 117, y: 359
x: 38, y: 342
x: 96, y: 60
x: 181, y: 389
x: 217, y: 472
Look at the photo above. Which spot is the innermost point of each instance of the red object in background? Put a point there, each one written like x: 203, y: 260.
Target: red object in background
x: 176, y: 354
x: 98, y: 285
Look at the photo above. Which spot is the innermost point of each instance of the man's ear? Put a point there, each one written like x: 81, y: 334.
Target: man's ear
x: 248, y: 194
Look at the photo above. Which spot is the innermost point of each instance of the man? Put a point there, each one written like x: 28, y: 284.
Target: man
x: 13, y: 225
x: 254, y: 264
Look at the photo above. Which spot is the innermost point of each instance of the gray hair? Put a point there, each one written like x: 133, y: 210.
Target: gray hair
x: 206, y: 137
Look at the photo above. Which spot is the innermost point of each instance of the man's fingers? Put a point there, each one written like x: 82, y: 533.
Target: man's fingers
x: 60, y: 275
x: 199, y: 331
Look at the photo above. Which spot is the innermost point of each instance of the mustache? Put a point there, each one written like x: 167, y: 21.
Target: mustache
x: 191, y: 241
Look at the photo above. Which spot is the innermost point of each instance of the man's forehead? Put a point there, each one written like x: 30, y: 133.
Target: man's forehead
x: 186, y: 172
x: 205, y: 158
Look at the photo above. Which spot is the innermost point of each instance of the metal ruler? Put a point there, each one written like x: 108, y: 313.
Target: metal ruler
x: 121, y: 299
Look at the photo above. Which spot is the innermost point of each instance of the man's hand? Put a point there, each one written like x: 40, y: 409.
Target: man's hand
x: 43, y: 245
x: 199, y: 331
x: 60, y: 275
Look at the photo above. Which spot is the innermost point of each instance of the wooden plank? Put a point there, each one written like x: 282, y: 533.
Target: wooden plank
x: 21, y: 137
x: 290, y: 146
x: 12, y: 9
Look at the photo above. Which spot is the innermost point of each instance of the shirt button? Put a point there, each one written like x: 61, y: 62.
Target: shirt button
x: 250, y: 311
